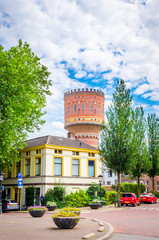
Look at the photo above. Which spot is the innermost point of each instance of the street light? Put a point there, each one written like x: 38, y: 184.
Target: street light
x: 1, y: 180
x: 100, y: 184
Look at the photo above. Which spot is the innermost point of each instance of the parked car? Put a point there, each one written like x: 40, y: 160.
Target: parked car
x: 130, y: 198
x: 148, y: 197
x: 9, y: 204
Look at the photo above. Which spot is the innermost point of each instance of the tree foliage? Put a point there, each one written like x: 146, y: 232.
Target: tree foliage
x: 115, y: 146
x: 153, y: 145
x: 140, y: 162
x: 23, y: 89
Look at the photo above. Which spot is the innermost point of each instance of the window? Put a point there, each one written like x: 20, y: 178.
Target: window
x: 75, y: 107
x: 108, y: 182
x: 91, y: 107
x: 27, y: 167
x: 68, y: 108
x: 83, y: 107
x: 17, y: 168
x: 75, y: 167
x: 110, y: 173
x: 38, y: 151
x: 75, y: 153
x: 9, y: 174
x: 91, y: 154
x: 57, y: 166
x: 37, y: 166
x: 58, y: 151
x: 28, y: 153
x: 98, y: 108
x: 91, y: 168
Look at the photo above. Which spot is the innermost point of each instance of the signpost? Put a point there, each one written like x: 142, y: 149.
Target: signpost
x: 20, y: 185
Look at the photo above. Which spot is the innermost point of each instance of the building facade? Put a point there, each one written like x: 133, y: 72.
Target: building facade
x: 49, y: 160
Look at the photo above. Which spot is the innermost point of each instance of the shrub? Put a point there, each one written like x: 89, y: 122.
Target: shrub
x: 77, y: 199
x: 49, y: 196
x: 110, y: 197
x: 57, y: 194
x: 131, y: 187
x: 50, y: 203
x: 94, y: 190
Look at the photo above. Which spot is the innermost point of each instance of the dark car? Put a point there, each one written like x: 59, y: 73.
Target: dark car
x: 130, y: 198
x: 9, y: 204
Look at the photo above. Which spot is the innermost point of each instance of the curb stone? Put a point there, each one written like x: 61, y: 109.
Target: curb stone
x: 109, y: 233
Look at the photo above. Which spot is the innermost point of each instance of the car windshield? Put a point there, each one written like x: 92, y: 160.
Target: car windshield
x: 144, y: 195
x: 127, y: 195
x: 12, y: 201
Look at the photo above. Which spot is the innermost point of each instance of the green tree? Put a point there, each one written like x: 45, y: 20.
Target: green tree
x: 115, y: 145
x: 153, y: 145
x: 140, y: 163
x: 23, y: 89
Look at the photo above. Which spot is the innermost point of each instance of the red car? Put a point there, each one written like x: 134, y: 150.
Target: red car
x: 130, y: 198
x: 148, y: 197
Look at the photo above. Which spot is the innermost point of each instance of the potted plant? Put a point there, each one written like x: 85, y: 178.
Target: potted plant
x: 73, y: 209
x: 65, y: 219
x: 37, y: 211
x: 51, y: 206
x: 95, y: 204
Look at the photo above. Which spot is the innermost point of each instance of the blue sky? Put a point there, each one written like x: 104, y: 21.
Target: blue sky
x: 88, y: 44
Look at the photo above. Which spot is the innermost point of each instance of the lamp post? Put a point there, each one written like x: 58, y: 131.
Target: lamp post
x: 1, y: 180
x: 100, y: 184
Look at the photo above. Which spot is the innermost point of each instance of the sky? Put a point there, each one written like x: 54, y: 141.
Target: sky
x: 88, y: 44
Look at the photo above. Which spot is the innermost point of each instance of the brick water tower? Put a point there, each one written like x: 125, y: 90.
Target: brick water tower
x: 84, y: 113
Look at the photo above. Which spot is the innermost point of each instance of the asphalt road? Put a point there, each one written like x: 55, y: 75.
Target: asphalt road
x: 140, y: 222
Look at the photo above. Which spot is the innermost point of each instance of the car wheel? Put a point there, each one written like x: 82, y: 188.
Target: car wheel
x: 126, y: 204
x: 151, y: 201
x: 156, y: 200
x: 121, y: 204
x: 134, y: 205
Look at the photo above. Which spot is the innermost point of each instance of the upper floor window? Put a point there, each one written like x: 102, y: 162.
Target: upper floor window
x: 58, y: 151
x: 75, y: 107
x: 37, y: 166
x: 110, y: 173
x: 91, y: 168
x: 17, y: 168
x: 27, y: 167
x: 38, y: 151
x: 57, y: 166
x: 91, y: 154
x: 75, y: 167
x: 98, y: 108
x: 28, y: 153
x: 83, y: 107
x: 75, y: 153
x: 68, y: 109
x: 91, y: 107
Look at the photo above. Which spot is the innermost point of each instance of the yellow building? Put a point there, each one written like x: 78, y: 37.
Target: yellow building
x: 50, y: 160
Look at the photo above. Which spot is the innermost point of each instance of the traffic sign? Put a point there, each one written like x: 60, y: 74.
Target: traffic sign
x: 20, y: 184
x: 19, y: 176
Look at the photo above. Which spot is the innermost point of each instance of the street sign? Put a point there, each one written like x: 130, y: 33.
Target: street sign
x: 20, y: 184
x: 19, y: 176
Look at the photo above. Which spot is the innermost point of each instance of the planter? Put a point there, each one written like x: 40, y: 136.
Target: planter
x: 94, y: 205
x: 66, y: 222
x: 37, y: 213
x: 51, y: 208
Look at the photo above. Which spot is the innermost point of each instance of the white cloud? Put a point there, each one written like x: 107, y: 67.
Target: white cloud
x: 89, y: 37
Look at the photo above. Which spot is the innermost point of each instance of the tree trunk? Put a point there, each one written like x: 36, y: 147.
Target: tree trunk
x: 139, y: 189
x: 153, y: 185
x: 118, y: 188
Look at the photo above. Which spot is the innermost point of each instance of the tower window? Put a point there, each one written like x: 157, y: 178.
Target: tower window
x: 91, y: 107
x: 68, y: 108
x: 75, y: 107
x: 83, y: 107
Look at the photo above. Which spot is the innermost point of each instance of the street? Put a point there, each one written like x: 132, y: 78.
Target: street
x: 142, y: 220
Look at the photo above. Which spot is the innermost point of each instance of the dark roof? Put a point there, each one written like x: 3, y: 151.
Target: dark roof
x: 58, y: 141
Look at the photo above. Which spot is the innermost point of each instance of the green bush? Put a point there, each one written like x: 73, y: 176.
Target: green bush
x: 94, y: 190
x: 57, y: 194
x: 77, y: 199
x: 131, y: 187
x: 110, y: 197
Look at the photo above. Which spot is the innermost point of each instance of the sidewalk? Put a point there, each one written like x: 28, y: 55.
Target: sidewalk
x: 20, y: 225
